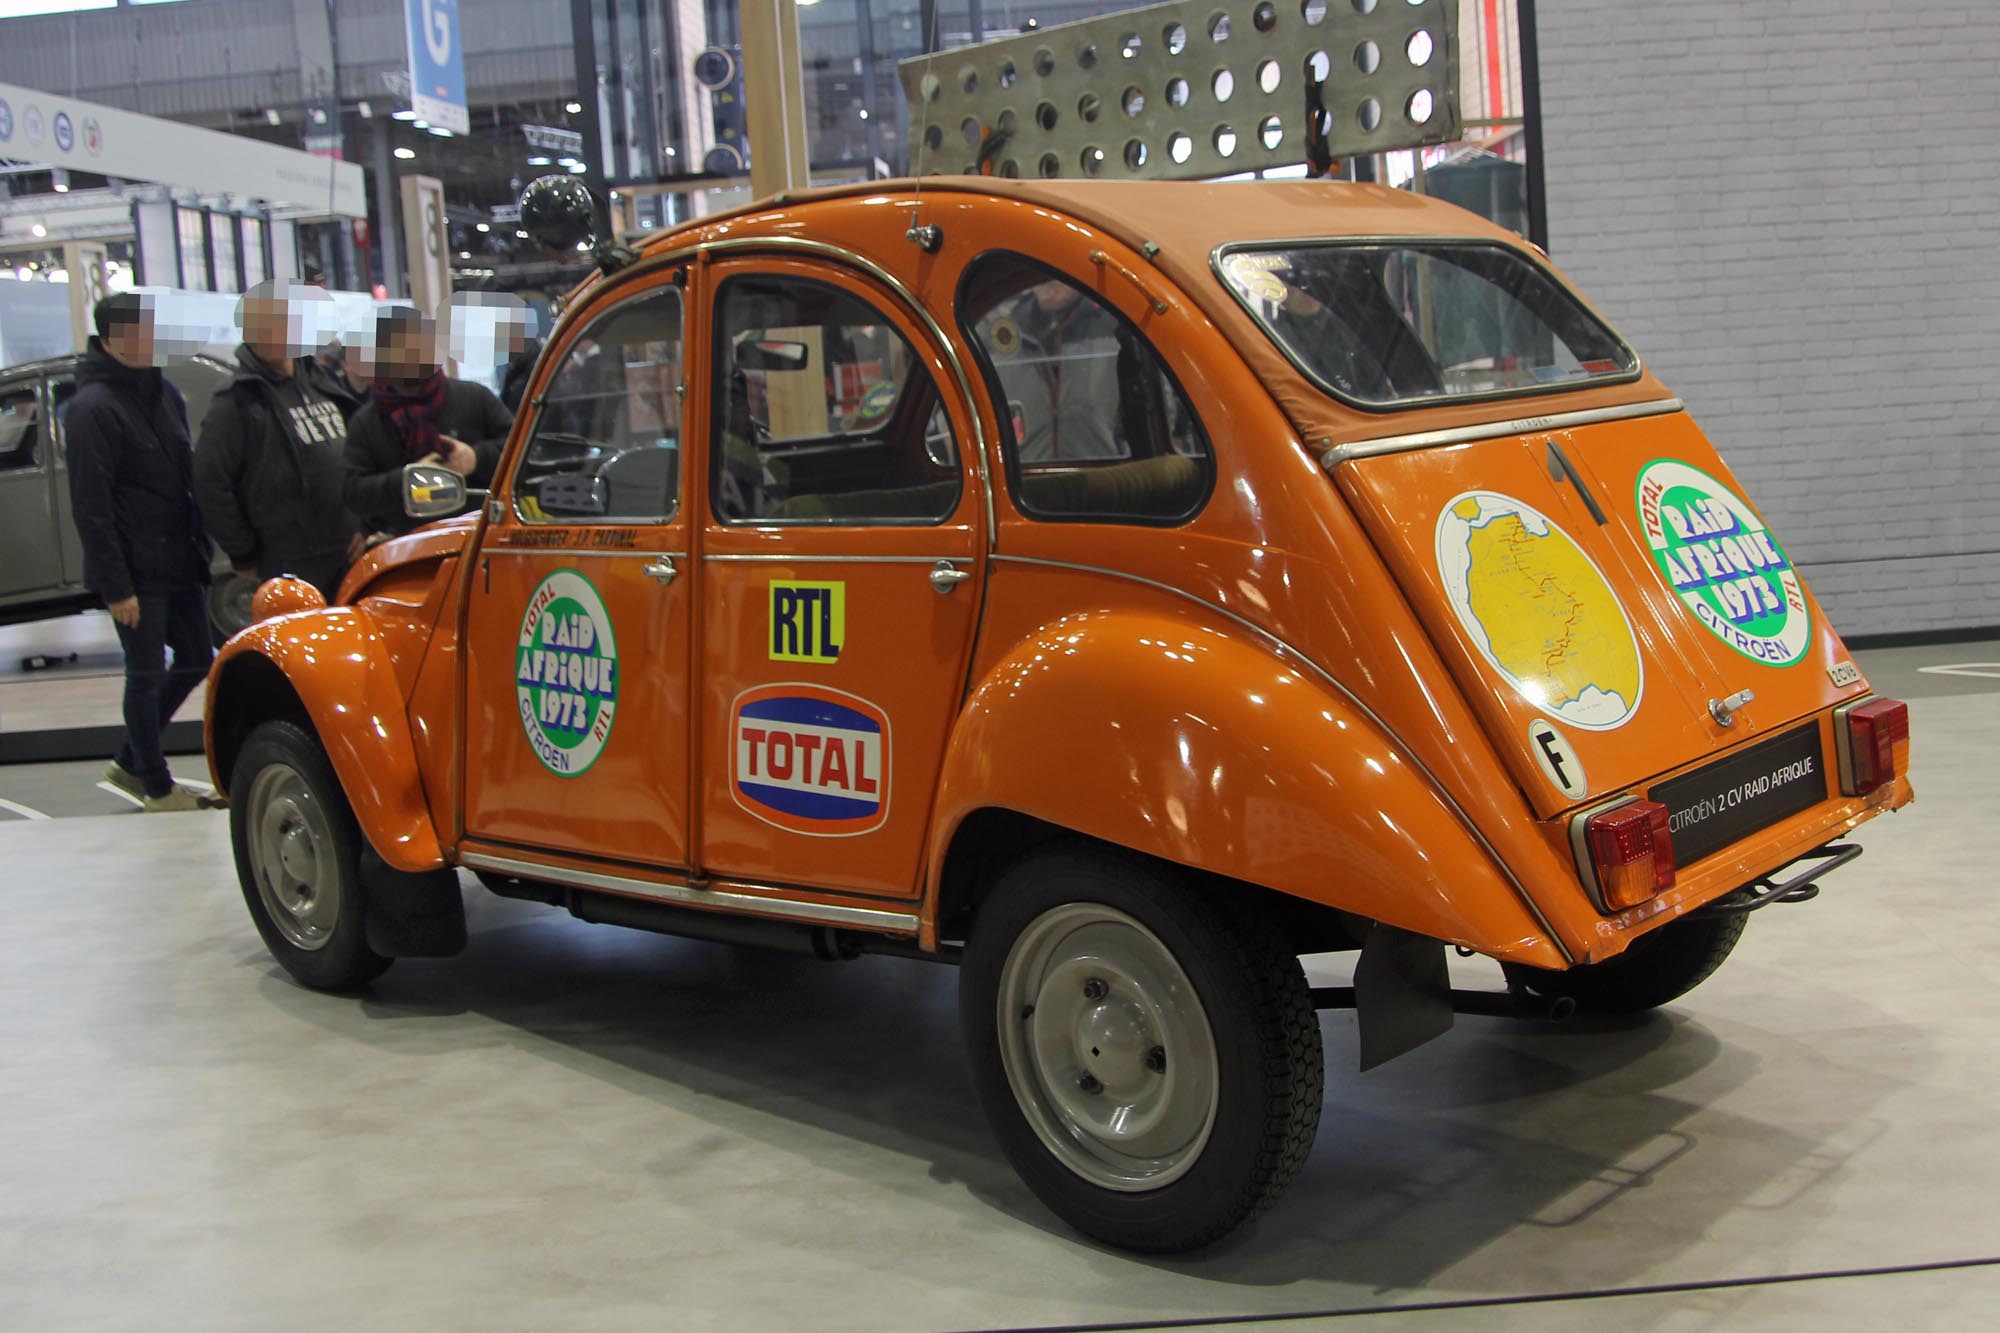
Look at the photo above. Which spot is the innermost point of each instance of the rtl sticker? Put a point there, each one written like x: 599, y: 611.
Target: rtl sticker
x: 808, y: 621
x: 810, y: 760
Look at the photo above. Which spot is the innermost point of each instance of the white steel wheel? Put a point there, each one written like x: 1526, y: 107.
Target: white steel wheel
x: 298, y: 858
x: 292, y: 856
x: 1144, y: 1047
x: 1107, y: 1047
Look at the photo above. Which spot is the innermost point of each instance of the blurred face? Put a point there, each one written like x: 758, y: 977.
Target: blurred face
x: 409, y: 355
x: 269, y: 328
x: 133, y: 343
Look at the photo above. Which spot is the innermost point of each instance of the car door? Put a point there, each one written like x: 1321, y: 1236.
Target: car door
x: 841, y: 572
x: 577, y: 621
x: 30, y: 559
x: 69, y: 544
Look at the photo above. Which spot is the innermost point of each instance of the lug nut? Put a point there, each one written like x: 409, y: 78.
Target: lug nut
x: 1090, y: 1084
x: 1094, y: 989
x: 1156, y: 1059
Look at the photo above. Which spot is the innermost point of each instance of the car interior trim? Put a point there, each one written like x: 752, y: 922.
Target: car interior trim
x: 1458, y: 811
x: 827, y: 914
x: 1432, y: 439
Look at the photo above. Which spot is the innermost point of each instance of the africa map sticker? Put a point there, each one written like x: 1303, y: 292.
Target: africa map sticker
x: 566, y: 673
x: 1723, y: 563
x: 1540, y: 612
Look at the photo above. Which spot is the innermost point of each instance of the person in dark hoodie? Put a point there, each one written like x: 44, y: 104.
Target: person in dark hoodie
x: 131, y: 487
x: 416, y: 414
x: 268, y: 467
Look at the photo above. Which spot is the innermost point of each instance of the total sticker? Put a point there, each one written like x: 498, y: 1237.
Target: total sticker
x: 1559, y: 762
x: 566, y: 673
x: 810, y: 760
x: 1723, y: 563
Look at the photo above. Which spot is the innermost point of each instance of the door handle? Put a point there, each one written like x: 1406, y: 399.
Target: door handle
x: 660, y: 570
x: 945, y: 576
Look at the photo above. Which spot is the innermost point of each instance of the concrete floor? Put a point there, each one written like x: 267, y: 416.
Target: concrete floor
x: 570, y: 1126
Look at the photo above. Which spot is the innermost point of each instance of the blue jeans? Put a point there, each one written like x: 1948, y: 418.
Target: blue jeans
x: 153, y: 690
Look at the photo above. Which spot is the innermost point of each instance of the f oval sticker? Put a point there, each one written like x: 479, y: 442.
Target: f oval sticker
x: 1559, y: 762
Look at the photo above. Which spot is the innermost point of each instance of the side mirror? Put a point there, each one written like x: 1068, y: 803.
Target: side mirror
x: 772, y: 354
x: 431, y: 491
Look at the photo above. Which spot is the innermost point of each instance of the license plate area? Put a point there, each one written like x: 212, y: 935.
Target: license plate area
x: 1752, y: 789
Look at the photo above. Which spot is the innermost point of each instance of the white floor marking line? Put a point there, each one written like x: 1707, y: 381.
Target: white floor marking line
x: 24, y: 811
x: 121, y: 795
x: 1984, y: 670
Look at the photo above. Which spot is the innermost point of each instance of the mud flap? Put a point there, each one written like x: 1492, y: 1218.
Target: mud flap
x: 412, y: 915
x: 1402, y: 994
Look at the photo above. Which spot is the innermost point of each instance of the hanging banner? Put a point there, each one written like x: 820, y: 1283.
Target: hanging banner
x: 437, y: 63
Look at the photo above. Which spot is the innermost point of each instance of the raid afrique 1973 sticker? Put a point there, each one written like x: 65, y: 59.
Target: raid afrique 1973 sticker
x: 1723, y: 563
x: 566, y: 673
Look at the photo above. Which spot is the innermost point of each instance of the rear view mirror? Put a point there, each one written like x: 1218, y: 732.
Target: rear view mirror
x: 772, y: 354
x: 432, y: 491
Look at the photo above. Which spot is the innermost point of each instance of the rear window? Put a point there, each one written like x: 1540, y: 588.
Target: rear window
x: 1390, y: 324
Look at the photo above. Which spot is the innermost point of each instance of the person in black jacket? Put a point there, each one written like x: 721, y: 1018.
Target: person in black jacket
x: 416, y: 414
x: 131, y: 488
x: 268, y: 466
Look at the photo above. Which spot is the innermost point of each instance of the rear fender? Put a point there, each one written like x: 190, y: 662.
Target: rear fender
x: 1203, y: 747
x: 330, y: 668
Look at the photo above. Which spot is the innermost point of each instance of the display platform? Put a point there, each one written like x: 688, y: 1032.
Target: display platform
x: 62, y: 685
x: 575, y: 1126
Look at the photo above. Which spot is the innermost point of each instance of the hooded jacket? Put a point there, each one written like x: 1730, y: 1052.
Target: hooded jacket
x: 268, y: 467
x: 131, y: 481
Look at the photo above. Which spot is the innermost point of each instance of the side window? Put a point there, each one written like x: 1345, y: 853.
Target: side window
x: 824, y: 413
x: 20, y: 428
x: 607, y: 445
x: 1093, y: 426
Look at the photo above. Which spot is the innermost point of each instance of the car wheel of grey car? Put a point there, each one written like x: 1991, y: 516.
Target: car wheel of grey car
x: 1658, y: 967
x: 1151, y: 1065
x: 298, y: 857
x: 229, y: 600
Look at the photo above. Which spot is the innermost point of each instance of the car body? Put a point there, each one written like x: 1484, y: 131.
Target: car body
x: 41, y: 559
x: 1333, y: 628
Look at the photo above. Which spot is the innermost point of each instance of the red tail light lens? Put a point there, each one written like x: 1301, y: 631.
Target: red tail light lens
x: 1878, y: 739
x: 1631, y: 852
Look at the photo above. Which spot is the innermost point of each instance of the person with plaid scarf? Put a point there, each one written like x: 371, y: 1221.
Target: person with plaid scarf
x: 416, y: 414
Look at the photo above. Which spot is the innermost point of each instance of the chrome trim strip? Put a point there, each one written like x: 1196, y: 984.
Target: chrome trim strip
x: 773, y: 558
x: 1451, y: 802
x: 617, y: 553
x: 685, y: 894
x: 1431, y: 439
x: 1586, y: 869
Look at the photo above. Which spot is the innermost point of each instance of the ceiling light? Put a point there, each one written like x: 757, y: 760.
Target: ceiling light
x: 465, y: 254
x: 574, y: 108
x: 578, y: 169
x: 38, y: 230
x: 62, y: 187
x: 404, y: 114
x: 440, y: 131
x: 271, y: 116
x: 522, y: 234
x: 481, y: 226
x: 538, y: 161
x: 363, y: 110
x: 406, y: 153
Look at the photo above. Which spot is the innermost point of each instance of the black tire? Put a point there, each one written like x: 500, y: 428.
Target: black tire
x: 1660, y: 966
x: 289, y: 817
x: 229, y: 605
x: 1262, y: 1064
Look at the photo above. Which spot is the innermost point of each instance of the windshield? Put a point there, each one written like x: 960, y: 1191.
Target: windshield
x: 1389, y: 324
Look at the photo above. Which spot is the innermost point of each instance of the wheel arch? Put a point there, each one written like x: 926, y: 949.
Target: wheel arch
x: 328, y: 671
x: 1154, y: 732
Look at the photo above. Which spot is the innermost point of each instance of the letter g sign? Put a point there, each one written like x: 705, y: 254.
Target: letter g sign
x: 437, y: 29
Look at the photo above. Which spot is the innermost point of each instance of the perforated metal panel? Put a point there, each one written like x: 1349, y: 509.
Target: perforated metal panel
x: 1191, y: 89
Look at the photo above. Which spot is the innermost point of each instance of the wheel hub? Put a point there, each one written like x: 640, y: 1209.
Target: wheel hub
x: 292, y: 856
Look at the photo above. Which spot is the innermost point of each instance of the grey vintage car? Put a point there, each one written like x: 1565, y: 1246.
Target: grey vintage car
x: 41, y: 560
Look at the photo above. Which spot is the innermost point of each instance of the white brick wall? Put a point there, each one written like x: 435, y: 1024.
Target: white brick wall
x: 1792, y: 210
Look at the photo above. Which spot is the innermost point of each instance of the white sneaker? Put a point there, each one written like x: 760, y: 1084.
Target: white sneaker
x: 124, y: 779
x: 177, y: 798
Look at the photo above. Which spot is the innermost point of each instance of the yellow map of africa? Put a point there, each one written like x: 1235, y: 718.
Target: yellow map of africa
x: 1550, y: 619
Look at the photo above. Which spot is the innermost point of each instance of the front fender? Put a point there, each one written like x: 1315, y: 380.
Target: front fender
x: 1202, y: 746
x: 333, y: 665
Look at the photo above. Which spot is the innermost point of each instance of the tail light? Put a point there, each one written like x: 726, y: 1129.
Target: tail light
x: 1629, y: 852
x: 1874, y: 744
